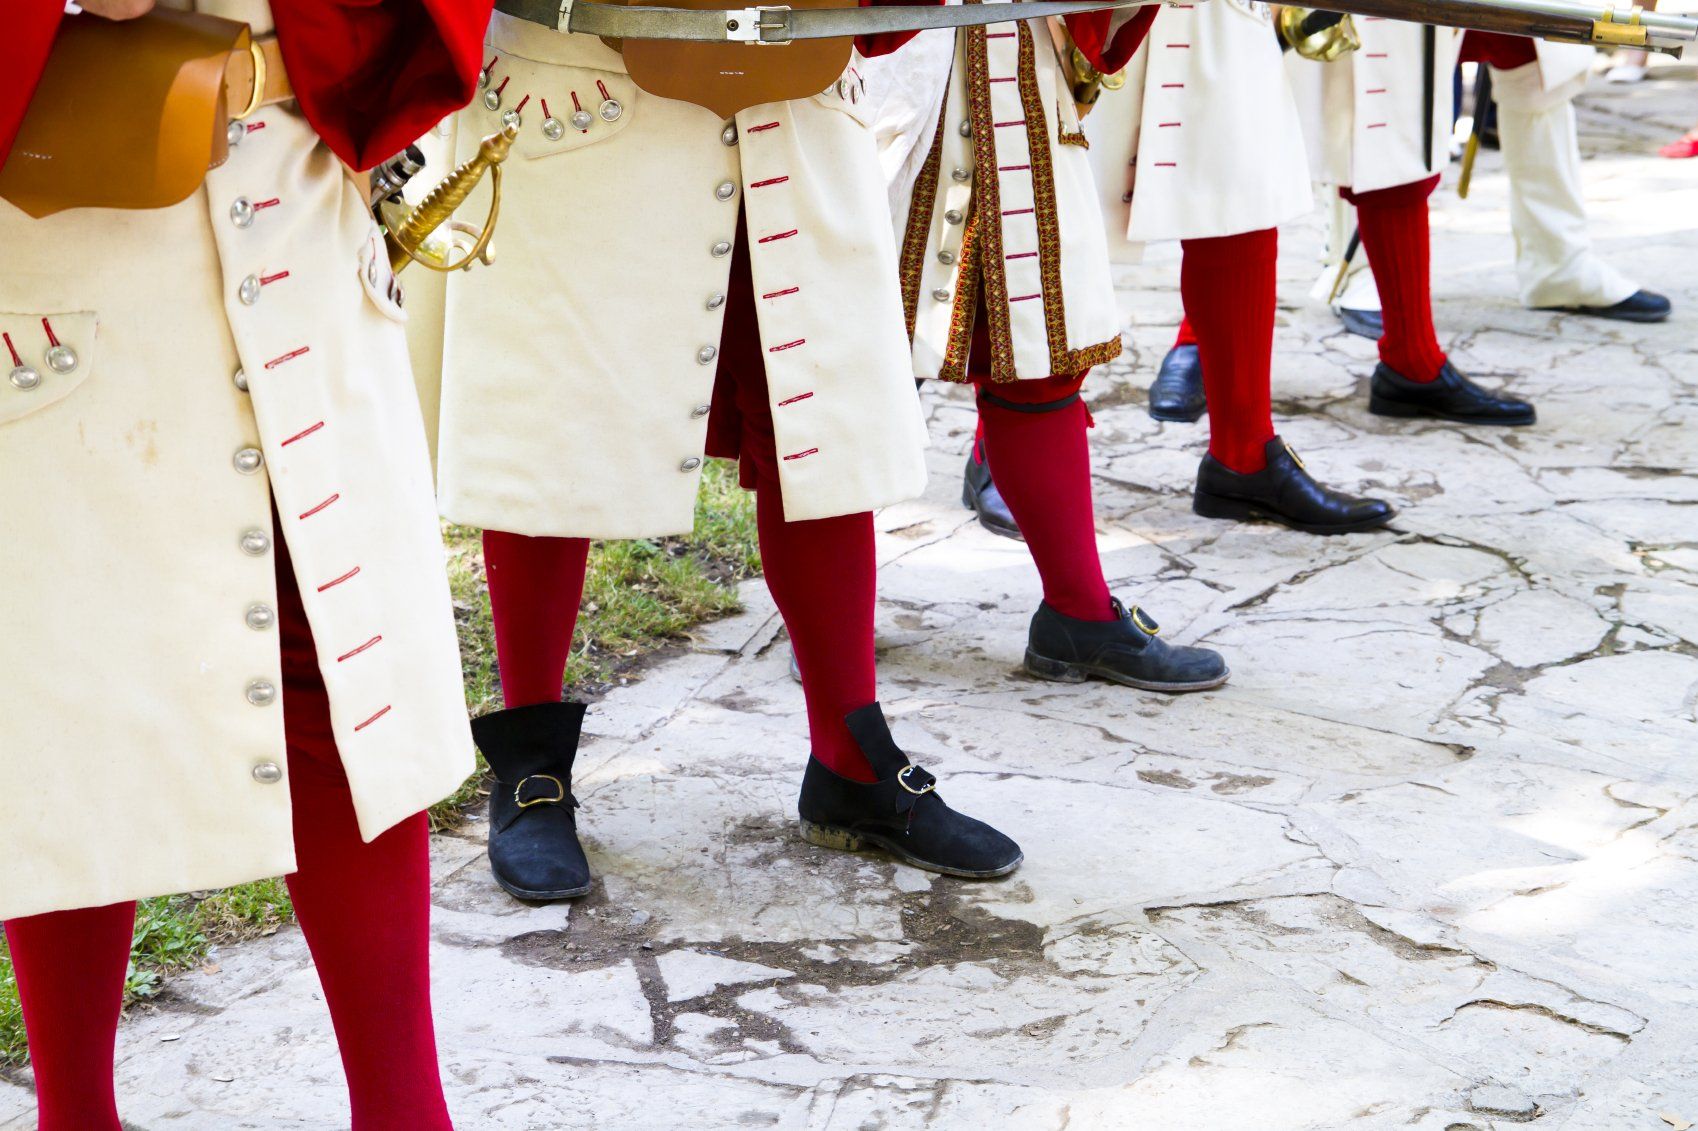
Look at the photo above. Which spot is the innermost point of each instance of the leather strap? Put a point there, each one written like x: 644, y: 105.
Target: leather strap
x: 770, y: 25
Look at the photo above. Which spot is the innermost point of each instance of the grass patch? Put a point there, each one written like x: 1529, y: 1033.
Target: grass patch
x: 640, y: 596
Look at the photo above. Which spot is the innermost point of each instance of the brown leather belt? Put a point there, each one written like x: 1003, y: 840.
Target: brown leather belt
x: 256, y: 78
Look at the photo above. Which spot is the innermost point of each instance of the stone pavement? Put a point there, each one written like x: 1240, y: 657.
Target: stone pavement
x: 1427, y: 862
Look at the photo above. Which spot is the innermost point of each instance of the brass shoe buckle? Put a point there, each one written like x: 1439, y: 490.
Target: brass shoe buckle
x: 1145, y: 625
x: 902, y: 780
x: 559, y: 794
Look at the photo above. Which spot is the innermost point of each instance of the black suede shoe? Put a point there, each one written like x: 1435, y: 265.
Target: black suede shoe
x: 1449, y: 397
x: 533, y: 829
x: 979, y: 495
x: 1177, y: 392
x: 900, y: 813
x: 1283, y: 492
x: 1640, y: 306
x: 1124, y: 650
x: 1368, y: 324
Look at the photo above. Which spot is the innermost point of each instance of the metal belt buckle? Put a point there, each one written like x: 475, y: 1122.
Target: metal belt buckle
x: 1145, y: 625
x: 902, y: 780
x: 559, y: 786
x: 764, y: 26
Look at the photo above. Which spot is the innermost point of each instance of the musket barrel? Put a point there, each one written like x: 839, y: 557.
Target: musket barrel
x: 1562, y: 20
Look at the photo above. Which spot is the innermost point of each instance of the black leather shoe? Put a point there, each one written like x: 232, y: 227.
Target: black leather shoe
x: 1177, y: 392
x: 1451, y: 396
x: 1640, y: 306
x: 1283, y: 492
x: 1368, y: 324
x: 900, y: 813
x: 979, y: 495
x: 1124, y: 650
x: 533, y: 827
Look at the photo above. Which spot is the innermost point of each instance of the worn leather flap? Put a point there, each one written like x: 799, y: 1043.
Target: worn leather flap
x: 129, y: 114
x: 728, y: 77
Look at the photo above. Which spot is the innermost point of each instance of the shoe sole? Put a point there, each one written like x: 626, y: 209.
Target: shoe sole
x: 970, y: 501
x: 1219, y: 506
x: 1589, y: 313
x: 1174, y: 416
x: 543, y: 896
x: 843, y: 840
x: 1066, y: 671
x: 1381, y: 407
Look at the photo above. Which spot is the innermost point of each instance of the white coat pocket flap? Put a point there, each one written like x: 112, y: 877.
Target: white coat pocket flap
x: 43, y: 358
x: 558, y: 108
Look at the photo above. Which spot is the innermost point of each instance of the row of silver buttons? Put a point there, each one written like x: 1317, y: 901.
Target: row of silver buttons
x: 61, y: 359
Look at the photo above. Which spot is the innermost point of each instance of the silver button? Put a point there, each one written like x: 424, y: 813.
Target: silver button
x: 510, y: 118
x: 946, y: 257
x: 706, y: 354
x: 260, y: 617
x: 234, y: 133
x: 941, y: 294
x: 966, y: 129
x: 729, y: 134
x: 553, y: 128
x: 255, y: 542
x: 483, y: 79
x: 721, y: 249
x: 690, y: 464
x: 248, y: 460
x: 268, y: 773
x: 242, y: 212
x: 842, y: 89
x: 953, y: 216
x: 701, y: 410
x: 248, y: 291
x: 725, y: 191
x: 25, y: 378
x: 961, y: 175
x: 262, y: 692
x: 715, y: 301
x: 611, y: 109
x: 61, y: 359
x: 582, y: 120
x: 241, y: 379
x: 492, y: 99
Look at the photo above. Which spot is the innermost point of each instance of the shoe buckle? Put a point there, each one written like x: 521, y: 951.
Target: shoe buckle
x: 902, y: 780
x: 1143, y: 622
x: 519, y: 790
x: 1292, y: 452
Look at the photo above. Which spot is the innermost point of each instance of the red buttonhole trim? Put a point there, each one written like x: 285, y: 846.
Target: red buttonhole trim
x: 803, y: 455
x: 793, y: 400
x: 334, y: 582
x: 302, y: 434
x: 290, y: 356
x: 308, y: 514
x: 350, y: 655
x: 16, y: 360
x: 373, y: 719
x: 787, y: 346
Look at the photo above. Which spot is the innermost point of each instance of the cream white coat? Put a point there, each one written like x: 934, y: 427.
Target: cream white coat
x: 578, y: 372
x: 141, y: 728
x: 1204, y: 139
x: 1003, y: 200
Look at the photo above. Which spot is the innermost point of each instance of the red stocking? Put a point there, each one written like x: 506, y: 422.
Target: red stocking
x: 1228, y: 287
x: 535, y: 587
x: 1393, y: 223
x: 1187, y: 335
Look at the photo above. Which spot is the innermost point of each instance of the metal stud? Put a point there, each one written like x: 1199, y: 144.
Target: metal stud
x: 248, y: 460
x: 706, y: 354
x: 582, y: 120
x: 701, y: 410
x: 941, y: 294
x: 960, y: 175
x: 260, y: 617
x: 721, y: 249
x: 715, y: 301
x: 234, y: 133
x: 729, y: 134
x: 61, y: 359
x: 553, y: 128
x: 483, y: 79
x: 611, y: 109
x: 248, y: 291
x: 946, y: 257
x: 953, y: 216
x: 255, y: 542
x: 966, y: 129
x: 268, y: 773
x: 842, y: 89
x: 241, y: 379
x: 492, y: 99
x: 726, y: 190
x: 25, y: 378
x: 262, y: 692
x: 690, y: 464
x: 510, y: 118
x: 242, y: 212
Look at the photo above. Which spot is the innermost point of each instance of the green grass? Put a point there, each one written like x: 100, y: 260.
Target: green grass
x: 640, y: 597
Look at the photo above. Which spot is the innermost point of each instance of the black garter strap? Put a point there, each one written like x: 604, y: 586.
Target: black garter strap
x: 1017, y: 406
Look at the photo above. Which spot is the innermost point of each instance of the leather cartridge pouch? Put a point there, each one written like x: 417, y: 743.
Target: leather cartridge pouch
x: 728, y: 77
x: 129, y: 114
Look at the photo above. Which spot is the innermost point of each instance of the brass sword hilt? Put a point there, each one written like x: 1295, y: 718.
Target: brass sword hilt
x: 406, y: 240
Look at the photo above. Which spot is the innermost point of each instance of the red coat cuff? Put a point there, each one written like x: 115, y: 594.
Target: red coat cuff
x: 373, y: 75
